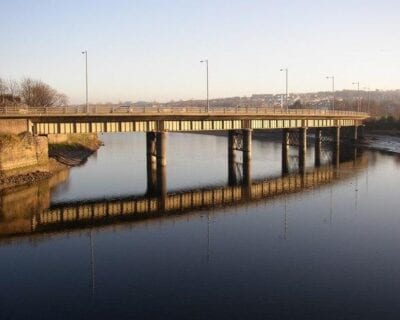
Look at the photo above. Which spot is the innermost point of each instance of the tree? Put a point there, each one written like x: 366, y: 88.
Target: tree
x: 36, y: 93
x: 13, y: 88
x: 3, y: 90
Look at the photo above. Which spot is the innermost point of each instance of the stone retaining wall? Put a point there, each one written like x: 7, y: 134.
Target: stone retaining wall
x: 21, y: 151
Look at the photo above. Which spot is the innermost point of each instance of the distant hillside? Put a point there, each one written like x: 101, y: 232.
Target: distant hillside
x: 377, y: 102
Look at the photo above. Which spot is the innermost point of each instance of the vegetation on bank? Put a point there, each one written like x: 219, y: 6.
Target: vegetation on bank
x: 74, y: 149
x: 385, y: 125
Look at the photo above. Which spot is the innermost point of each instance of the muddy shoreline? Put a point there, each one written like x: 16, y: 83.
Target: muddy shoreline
x: 61, y: 157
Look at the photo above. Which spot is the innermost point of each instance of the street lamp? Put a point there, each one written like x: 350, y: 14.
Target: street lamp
x: 358, y: 95
x: 87, y: 92
x: 208, y: 101
x: 333, y: 90
x: 287, y: 82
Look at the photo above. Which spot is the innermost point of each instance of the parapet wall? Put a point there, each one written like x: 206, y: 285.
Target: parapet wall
x: 21, y: 151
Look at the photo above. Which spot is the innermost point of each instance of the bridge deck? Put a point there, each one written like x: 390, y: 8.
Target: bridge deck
x: 101, y: 119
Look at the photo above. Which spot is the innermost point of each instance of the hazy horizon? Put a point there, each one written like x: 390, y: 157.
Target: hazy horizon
x: 151, y: 50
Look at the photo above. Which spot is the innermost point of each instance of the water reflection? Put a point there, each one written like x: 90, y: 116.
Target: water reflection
x: 315, y: 244
x: 29, y: 210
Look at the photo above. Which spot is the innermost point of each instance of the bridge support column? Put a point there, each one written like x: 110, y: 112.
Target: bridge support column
x: 232, y: 177
x: 355, y: 134
x: 317, y: 148
x: 302, y: 148
x: 285, y: 151
x: 161, y: 148
x: 247, y: 155
x: 151, y: 162
x: 156, y: 152
x: 336, y: 146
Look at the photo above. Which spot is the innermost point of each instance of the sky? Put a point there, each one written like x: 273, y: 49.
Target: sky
x: 151, y: 50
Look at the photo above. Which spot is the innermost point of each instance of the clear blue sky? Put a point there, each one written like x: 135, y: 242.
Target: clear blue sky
x: 150, y: 49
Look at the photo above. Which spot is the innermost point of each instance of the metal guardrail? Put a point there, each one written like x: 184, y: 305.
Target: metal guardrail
x: 21, y: 110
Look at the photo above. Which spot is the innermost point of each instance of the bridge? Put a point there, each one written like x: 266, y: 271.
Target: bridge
x: 62, y: 217
x: 156, y: 122
x: 101, y: 119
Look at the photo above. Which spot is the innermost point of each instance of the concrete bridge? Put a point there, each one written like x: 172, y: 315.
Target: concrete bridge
x: 156, y: 122
x: 100, y: 119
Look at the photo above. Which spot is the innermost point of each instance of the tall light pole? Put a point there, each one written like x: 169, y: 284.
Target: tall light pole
x: 208, y: 101
x: 333, y: 90
x: 87, y: 90
x: 358, y: 95
x: 287, y: 83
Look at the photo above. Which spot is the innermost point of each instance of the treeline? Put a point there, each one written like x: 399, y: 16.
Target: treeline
x: 33, y: 93
x: 383, y: 123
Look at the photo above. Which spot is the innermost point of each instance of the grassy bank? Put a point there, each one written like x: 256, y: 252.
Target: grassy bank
x: 387, y: 125
x: 75, y: 149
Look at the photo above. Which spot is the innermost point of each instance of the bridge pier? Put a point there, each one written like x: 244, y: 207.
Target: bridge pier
x: 232, y: 177
x: 151, y: 162
x: 247, y: 155
x: 355, y: 133
x: 336, y: 146
x: 302, y: 148
x: 156, y: 151
x: 239, y: 140
x: 317, y: 148
x: 285, y: 151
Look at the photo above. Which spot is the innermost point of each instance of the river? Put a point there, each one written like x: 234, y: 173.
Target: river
x: 324, y: 248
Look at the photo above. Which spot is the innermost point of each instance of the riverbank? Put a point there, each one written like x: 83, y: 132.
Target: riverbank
x: 73, y: 150
x: 381, y: 142
x: 63, y: 152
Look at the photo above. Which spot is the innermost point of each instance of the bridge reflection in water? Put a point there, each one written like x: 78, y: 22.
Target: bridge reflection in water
x: 156, y: 204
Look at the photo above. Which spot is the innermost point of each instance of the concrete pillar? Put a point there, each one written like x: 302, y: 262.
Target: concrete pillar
x: 162, y: 186
x: 336, y: 155
x: 247, y: 143
x: 336, y: 146
x: 161, y: 155
x: 317, y: 149
x: 161, y: 148
x: 247, y: 155
x: 232, y: 178
x: 151, y: 162
x: 355, y: 133
x: 302, y: 148
x: 285, y: 151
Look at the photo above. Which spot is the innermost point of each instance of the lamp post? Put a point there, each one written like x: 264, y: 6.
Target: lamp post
x: 358, y: 95
x: 87, y: 90
x: 333, y: 90
x: 208, y: 101
x: 287, y: 83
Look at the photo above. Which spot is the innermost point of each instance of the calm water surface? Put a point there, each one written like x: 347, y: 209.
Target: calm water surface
x: 327, y: 252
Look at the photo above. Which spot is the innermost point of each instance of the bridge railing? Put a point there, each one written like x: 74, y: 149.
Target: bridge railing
x: 21, y: 110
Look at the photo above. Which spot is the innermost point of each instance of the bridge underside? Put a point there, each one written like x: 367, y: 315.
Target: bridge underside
x: 68, y: 126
